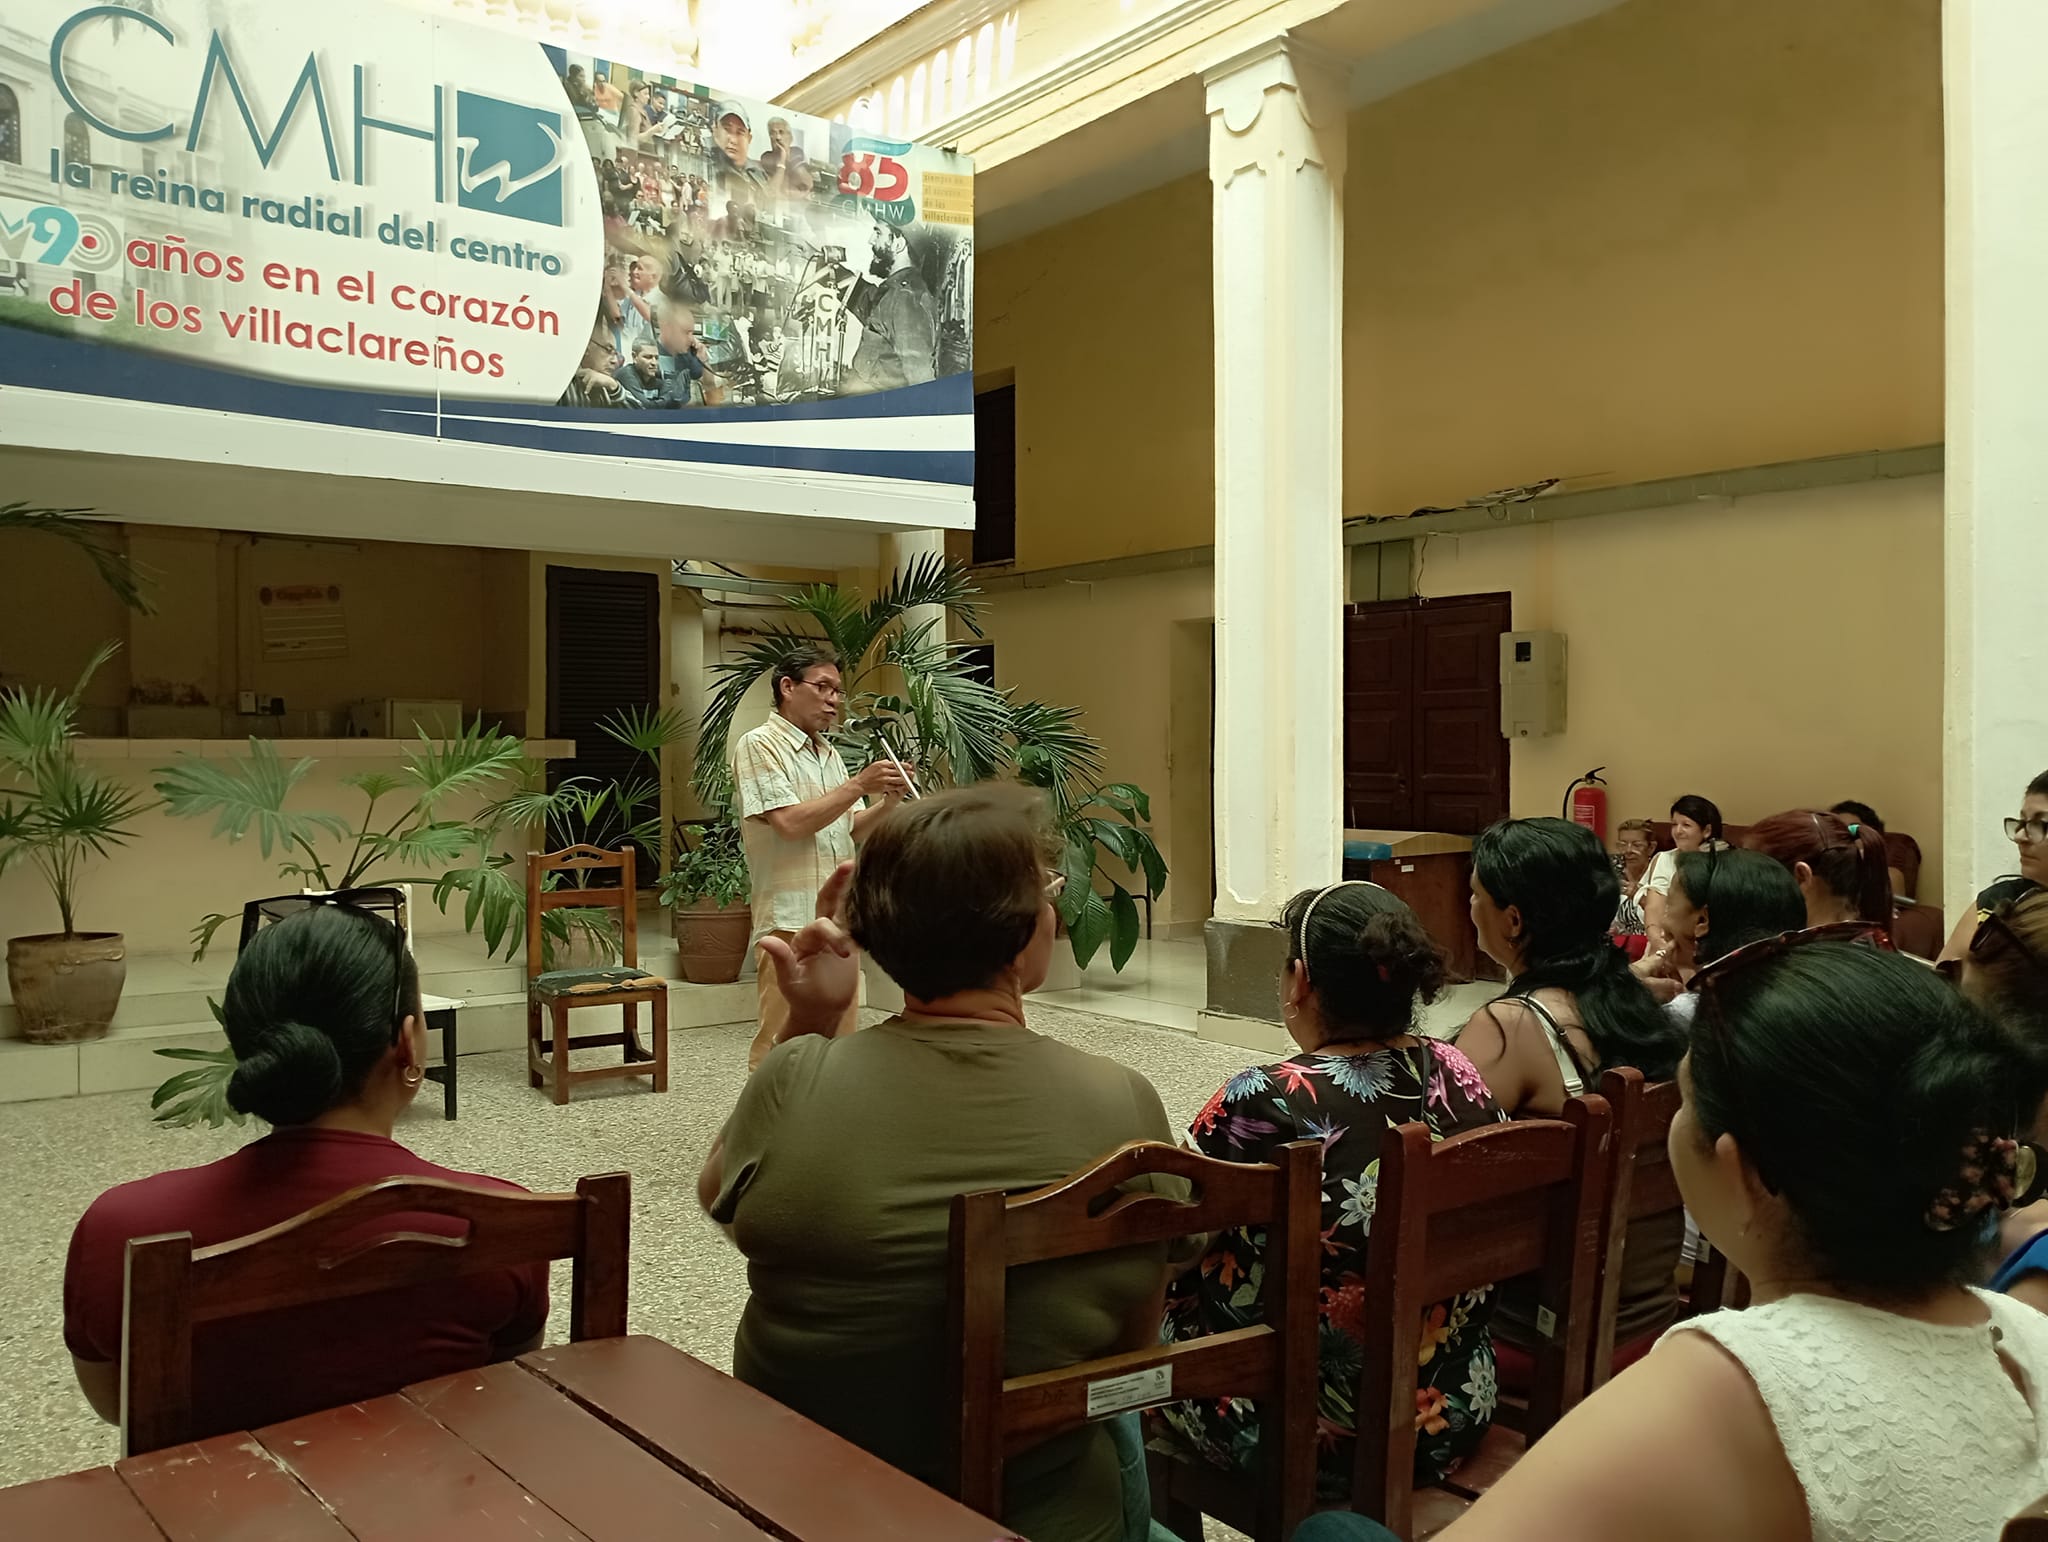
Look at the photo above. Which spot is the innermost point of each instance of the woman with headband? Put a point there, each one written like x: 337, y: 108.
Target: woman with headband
x: 1359, y: 964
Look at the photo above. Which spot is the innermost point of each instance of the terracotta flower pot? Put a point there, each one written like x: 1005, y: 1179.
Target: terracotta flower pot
x: 711, y: 941
x: 66, y: 988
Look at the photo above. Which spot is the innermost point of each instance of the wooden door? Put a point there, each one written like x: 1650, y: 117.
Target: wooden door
x: 604, y: 655
x: 1379, y: 652
x: 1461, y: 756
x: 1423, y: 748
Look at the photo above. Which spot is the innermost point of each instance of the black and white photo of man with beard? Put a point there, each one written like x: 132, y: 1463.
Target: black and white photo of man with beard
x: 899, y: 342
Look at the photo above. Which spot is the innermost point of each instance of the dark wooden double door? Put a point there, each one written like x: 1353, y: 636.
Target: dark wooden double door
x: 1423, y: 748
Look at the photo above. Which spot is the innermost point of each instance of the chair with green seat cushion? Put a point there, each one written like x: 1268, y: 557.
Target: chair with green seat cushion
x: 555, y: 993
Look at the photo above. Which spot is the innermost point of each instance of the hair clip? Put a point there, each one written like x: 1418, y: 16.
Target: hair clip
x: 1996, y: 1171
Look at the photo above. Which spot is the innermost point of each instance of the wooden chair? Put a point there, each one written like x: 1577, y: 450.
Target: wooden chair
x: 172, y: 1287
x: 1525, y: 1197
x: 1640, y: 1186
x: 558, y: 992
x: 1274, y: 1361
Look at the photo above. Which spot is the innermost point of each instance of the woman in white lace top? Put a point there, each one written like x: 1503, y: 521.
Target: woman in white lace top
x: 1850, y: 1132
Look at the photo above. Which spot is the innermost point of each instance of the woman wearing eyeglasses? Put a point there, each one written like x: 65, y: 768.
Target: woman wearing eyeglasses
x: 323, y: 1013
x: 1359, y: 966
x: 1849, y: 1130
x: 837, y: 1169
x: 2029, y: 832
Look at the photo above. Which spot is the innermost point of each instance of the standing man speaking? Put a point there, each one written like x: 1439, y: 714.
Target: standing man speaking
x: 800, y: 814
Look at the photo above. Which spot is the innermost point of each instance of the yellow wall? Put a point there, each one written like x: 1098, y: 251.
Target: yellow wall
x: 47, y: 644
x: 1106, y: 322
x: 411, y: 613
x: 1801, y: 665
x: 1109, y: 647
x: 1674, y: 238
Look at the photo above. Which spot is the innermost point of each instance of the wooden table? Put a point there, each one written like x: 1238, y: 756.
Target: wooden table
x: 1433, y: 873
x: 610, y: 1440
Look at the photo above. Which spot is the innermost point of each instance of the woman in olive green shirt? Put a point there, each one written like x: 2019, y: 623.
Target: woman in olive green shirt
x: 838, y: 1167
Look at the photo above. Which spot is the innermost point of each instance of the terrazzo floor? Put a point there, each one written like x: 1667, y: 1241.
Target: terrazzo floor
x: 688, y: 1284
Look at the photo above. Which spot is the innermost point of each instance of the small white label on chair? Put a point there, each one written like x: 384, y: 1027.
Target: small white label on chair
x: 1140, y: 1389
x: 1546, y: 1322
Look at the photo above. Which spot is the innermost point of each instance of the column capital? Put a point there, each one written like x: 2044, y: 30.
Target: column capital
x: 1238, y: 86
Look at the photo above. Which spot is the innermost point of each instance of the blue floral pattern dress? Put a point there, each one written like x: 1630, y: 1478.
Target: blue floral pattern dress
x: 1345, y: 1101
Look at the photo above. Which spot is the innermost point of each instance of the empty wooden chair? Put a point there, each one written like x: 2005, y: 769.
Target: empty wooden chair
x: 333, y: 1252
x: 558, y: 992
x: 1273, y: 1362
x: 1525, y: 1197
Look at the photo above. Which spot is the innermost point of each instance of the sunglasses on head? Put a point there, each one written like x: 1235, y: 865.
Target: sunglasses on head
x: 1997, y: 923
x: 386, y: 904
x: 1774, y: 947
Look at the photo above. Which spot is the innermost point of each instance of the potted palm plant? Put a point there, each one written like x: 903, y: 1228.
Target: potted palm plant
x: 708, y: 892
x: 57, y: 815
x: 950, y: 725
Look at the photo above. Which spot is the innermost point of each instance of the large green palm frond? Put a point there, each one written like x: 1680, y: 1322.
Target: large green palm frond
x: 467, y: 761
x: 841, y: 620
x: 1054, y: 752
x: 735, y: 678
x: 926, y: 580
x: 644, y: 729
x: 245, y: 792
x: 960, y: 718
x: 117, y: 570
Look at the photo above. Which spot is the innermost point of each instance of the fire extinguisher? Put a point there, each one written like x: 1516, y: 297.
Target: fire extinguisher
x: 1585, y: 803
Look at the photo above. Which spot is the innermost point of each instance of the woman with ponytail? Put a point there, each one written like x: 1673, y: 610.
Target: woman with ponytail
x: 1359, y: 966
x: 323, y: 1013
x: 1839, y: 862
x: 1543, y: 893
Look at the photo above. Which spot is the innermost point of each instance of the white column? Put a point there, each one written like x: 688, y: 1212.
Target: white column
x: 1996, y: 698
x: 902, y: 549
x: 1276, y: 159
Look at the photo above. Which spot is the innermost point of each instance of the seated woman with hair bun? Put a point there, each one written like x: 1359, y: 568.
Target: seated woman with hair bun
x: 1850, y: 1130
x: 323, y: 1013
x: 1359, y: 965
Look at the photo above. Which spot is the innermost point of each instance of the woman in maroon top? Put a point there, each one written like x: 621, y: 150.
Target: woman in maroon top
x: 323, y: 1012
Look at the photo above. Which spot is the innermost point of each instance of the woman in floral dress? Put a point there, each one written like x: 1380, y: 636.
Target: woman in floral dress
x: 1358, y: 963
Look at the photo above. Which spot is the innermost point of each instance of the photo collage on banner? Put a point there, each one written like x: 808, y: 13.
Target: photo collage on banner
x: 755, y: 256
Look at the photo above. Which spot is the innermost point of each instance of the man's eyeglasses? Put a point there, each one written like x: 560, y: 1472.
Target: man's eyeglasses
x: 2035, y: 829
x: 824, y: 688
x: 386, y: 904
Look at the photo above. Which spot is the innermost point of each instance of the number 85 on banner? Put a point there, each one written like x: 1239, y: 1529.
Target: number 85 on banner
x: 868, y: 174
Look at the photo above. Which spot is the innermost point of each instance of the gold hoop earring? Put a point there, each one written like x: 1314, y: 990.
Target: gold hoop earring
x: 412, y: 1076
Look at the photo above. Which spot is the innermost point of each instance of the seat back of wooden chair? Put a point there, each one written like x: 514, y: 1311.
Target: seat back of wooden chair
x: 1090, y: 1212
x: 1524, y: 1197
x: 625, y: 898
x: 1640, y: 1186
x: 2030, y: 1525
x: 333, y: 1252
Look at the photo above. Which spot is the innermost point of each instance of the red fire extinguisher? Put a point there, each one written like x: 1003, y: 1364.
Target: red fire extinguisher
x: 1585, y: 803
